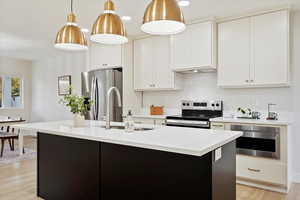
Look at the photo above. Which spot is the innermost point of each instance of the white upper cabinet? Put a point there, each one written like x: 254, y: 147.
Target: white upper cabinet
x: 102, y: 56
x: 234, y: 53
x: 270, y: 49
x: 152, y: 65
x: 143, y: 64
x: 194, y: 48
x: 254, y: 51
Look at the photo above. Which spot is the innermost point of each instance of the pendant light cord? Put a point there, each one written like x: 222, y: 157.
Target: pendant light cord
x: 71, y: 6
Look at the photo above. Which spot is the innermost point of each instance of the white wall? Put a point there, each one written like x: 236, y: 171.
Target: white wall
x: 45, y: 72
x: 204, y: 86
x: 20, y: 68
x: 44, y: 83
x: 295, y: 95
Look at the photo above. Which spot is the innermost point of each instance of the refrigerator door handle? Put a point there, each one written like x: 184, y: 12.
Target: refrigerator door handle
x: 96, y: 99
x: 93, y: 98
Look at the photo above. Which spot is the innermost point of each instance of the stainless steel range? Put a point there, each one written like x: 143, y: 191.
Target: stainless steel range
x: 196, y: 114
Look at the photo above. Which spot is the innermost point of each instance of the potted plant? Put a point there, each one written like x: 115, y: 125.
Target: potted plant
x: 79, y: 106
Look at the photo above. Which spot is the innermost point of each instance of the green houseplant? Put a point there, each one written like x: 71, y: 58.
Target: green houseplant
x: 79, y: 106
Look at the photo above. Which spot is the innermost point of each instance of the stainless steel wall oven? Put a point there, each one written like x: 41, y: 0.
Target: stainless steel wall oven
x: 260, y: 141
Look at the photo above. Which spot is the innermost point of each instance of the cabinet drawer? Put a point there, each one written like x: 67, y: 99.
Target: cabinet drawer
x: 264, y: 170
x: 149, y: 121
x: 144, y: 121
x: 217, y: 126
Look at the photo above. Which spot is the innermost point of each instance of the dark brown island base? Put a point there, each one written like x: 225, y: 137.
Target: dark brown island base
x: 80, y: 169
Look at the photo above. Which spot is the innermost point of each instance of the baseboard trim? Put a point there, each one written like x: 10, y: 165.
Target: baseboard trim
x: 296, y: 177
x: 262, y: 186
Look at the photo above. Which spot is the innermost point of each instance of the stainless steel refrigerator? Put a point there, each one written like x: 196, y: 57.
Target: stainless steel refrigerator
x: 95, y: 85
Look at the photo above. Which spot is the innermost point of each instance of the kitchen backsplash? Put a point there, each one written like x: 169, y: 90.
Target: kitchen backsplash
x: 203, y: 86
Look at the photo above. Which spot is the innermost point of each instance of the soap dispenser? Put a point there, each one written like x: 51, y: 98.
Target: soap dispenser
x: 129, y: 123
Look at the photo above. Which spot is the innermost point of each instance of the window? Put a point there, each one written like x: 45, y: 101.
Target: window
x: 11, y: 92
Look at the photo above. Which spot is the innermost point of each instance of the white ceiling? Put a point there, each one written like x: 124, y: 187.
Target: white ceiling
x: 28, y: 27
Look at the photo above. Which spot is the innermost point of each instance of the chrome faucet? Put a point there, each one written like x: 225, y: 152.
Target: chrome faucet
x: 107, y: 126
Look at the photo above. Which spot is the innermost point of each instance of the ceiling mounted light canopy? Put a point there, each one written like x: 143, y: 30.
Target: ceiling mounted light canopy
x: 163, y: 17
x: 70, y: 37
x: 109, y: 28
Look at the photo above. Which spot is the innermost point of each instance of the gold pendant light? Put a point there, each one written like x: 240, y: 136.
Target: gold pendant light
x: 109, y: 28
x: 163, y: 17
x: 70, y: 37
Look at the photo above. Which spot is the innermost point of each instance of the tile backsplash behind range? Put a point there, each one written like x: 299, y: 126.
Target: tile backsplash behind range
x: 203, y: 86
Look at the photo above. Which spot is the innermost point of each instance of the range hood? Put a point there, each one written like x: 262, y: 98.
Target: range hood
x: 188, y: 70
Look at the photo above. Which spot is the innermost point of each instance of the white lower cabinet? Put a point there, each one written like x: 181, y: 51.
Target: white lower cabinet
x: 217, y: 126
x: 151, y: 121
x: 152, y: 69
x: 261, y: 172
x: 264, y: 170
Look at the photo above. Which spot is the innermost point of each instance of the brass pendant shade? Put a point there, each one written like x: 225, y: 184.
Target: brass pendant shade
x: 70, y: 37
x: 163, y: 17
x: 109, y: 28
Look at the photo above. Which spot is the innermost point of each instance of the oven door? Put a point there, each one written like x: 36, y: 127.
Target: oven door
x: 260, y: 141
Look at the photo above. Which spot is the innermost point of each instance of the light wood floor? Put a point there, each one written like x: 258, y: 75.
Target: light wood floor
x: 18, y: 182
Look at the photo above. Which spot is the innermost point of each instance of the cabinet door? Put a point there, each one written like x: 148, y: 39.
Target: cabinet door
x: 201, y: 45
x: 143, y: 64
x: 270, y: 48
x: 180, y: 50
x: 234, y: 53
x: 195, y: 47
x: 102, y: 56
x: 163, y: 75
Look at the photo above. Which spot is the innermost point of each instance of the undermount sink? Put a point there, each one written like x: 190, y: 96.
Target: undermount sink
x: 135, y: 128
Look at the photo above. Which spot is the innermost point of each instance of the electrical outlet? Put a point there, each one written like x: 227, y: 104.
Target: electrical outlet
x: 218, y: 154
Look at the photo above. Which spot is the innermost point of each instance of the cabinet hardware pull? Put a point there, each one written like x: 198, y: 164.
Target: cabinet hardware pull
x: 247, y: 81
x: 252, y: 81
x: 218, y: 125
x: 254, y: 170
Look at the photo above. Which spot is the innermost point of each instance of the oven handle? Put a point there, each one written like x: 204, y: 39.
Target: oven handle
x: 187, y: 123
x: 259, y: 135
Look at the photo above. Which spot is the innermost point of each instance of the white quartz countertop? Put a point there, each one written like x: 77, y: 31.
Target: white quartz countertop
x: 280, y: 122
x: 190, y: 141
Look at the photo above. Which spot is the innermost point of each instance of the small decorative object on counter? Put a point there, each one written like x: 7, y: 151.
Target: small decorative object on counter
x: 256, y: 115
x: 156, y: 110
x: 129, y: 123
x: 244, y: 113
x: 272, y: 115
x: 79, y: 106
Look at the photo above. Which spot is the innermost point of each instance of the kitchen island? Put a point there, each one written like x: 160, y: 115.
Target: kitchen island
x: 164, y: 163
